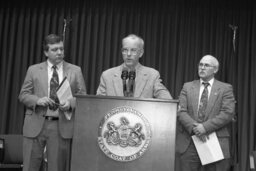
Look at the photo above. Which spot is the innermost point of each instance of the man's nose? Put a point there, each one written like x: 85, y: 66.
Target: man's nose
x: 129, y: 53
x: 59, y: 51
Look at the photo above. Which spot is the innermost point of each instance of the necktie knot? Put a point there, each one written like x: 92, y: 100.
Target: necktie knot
x: 206, y: 84
x: 54, y: 67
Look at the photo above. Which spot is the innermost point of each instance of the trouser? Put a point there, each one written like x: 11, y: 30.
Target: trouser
x: 57, y: 149
x: 190, y: 161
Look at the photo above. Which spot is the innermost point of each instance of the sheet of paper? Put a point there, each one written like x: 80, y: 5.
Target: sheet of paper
x: 209, y: 151
x: 252, y: 158
x: 64, y: 93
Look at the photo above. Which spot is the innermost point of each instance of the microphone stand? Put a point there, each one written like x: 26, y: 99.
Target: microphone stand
x: 234, y: 28
x: 124, y: 77
x: 132, y: 75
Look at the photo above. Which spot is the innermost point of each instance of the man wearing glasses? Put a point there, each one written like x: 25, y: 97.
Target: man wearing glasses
x: 206, y: 106
x: 131, y: 79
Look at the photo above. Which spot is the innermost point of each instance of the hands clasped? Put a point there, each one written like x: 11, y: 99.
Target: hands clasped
x: 200, y: 131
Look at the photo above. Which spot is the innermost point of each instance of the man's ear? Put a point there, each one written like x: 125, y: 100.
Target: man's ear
x: 45, y: 53
x: 216, y: 70
x: 141, y: 52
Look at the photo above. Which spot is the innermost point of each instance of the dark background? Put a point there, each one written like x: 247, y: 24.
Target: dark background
x: 177, y: 33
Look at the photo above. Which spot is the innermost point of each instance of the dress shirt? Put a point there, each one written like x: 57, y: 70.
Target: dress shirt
x: 59, y: 70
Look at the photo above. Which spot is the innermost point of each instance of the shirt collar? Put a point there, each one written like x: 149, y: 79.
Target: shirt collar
x: 59, y: 65
x: 210, y: 82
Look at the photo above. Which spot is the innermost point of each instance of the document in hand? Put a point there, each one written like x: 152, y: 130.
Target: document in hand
x: 209, y: 151
x: 64, y: 93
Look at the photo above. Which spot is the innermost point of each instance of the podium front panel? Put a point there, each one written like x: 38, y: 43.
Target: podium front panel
x: 159, y: 154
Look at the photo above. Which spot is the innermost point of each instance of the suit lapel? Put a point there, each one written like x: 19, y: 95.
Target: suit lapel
x: 66, y: 72
x: 140, y: 80
x: 195, y: 95
x: 213, y: 97
x: 44, y: 77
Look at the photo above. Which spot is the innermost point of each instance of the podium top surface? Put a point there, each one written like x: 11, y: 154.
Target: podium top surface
x: 127, y: 98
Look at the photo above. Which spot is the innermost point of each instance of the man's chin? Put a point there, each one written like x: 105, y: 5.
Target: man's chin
x: 201, y: 75
x: 59, y: 60
x: 129, y: 64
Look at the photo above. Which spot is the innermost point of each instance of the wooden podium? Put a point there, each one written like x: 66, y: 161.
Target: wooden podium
x: 157, y: 134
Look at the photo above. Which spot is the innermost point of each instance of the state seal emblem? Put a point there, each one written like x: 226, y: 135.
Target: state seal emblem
x: 124, y: 134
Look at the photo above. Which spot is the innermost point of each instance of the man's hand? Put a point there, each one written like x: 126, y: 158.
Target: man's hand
x: 44, y: 101
x: 203, y: 138
x: 199, y: 129
x: 65, y: 106
x: 200, y: 132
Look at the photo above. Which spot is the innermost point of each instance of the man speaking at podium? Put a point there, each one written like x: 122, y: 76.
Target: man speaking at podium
x: 131, y: 79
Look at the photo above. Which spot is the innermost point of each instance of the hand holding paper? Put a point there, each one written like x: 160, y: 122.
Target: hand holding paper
x: 210, y: 150
x: 64, y: 94
x: 65, y: 105
x: 199, y: 129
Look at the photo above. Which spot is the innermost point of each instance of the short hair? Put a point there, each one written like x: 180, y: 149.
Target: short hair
x: 213, y: 60
x: 134, y: 37
x: 51, y: 39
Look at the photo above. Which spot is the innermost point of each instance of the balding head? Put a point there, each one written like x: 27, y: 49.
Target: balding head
x: 132, y: 50
x: 208, y: 67
x: 132, y: 37
x: 213, y: 61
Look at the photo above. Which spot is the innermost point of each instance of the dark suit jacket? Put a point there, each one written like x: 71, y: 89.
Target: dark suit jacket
x: 219, y: 113
x: 147, y: 83
x: 35, y: 86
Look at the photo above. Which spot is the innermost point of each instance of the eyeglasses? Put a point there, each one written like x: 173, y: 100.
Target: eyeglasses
x: 132, y: 51
x: 201, y: 65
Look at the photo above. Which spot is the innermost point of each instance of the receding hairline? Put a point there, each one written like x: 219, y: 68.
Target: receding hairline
x: 213, y: 60
x: 134, y: 37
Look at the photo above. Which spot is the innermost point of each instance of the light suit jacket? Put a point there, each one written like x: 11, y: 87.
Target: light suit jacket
x: 35, y: 86
x: 147, y: 83
x: 219, y: 113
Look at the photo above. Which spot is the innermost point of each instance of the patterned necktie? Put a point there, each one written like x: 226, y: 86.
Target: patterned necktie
x: 54, y: 83
x: 203, y: 102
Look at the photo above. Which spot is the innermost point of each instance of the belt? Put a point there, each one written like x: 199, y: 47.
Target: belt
x: 51, y: 118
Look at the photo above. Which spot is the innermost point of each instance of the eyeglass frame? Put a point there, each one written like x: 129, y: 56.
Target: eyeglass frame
x: 133, y: 51
x: 201, y: 65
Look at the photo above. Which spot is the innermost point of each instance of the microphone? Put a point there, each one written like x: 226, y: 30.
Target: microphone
x: 124, y: 77
x: 132, y: 75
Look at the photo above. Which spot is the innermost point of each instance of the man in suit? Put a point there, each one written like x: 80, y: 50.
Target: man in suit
x: 45, y: 124
x: 201, y: 117
x: 132, y: 79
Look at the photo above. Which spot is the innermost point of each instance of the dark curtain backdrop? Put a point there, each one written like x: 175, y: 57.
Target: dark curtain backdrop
x: 177, y: 34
